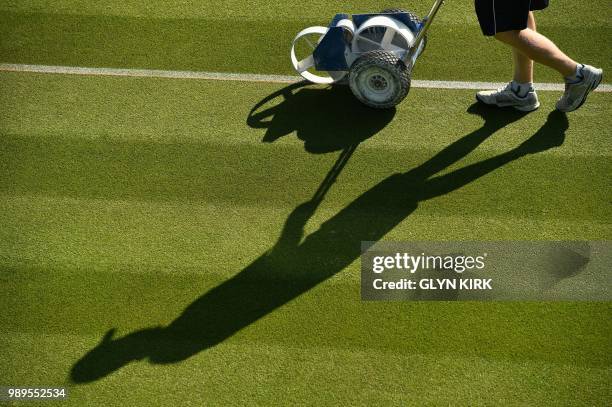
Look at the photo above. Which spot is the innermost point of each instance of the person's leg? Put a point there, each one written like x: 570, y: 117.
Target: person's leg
x: 522, y: 81
x: 505, y: 15
x: 519, y: 93
x: 523, y: 65
x: 538, y: 48
x: 512, y: 22
x: 580, y: 79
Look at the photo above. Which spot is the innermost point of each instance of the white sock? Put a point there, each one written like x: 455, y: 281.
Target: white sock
x: 522, y: 89
x: 577, y: 77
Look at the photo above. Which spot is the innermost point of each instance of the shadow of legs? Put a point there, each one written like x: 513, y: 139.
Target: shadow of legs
x: 293, y: 266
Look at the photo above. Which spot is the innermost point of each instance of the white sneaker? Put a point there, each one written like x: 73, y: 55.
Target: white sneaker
x: 506, y: 97
x: 576, y: 93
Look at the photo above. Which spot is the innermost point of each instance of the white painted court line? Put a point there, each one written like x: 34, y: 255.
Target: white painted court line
x: 245, y: 77
x: 148, y: 73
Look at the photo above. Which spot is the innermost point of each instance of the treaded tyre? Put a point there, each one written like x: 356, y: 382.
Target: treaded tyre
x: 413, y: 17
x: 379, y: 79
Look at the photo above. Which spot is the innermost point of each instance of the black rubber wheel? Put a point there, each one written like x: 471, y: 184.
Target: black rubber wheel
x: 413, y: 17
x: 379, y: 79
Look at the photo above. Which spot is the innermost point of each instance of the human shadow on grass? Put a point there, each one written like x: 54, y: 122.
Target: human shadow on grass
x: 295, y: 264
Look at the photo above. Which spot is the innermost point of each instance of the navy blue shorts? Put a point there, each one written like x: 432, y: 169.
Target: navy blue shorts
x: 497, y: 16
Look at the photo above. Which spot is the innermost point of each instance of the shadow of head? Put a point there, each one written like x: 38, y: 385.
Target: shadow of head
x: 326, y: 119
x: 112, y: 354
x: 157, y: 345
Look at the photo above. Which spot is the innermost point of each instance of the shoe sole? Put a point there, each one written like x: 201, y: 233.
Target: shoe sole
x: 529, y: 108
x: 594, y: 86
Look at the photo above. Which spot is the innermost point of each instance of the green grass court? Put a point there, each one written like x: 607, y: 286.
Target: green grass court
x: 160, y: 207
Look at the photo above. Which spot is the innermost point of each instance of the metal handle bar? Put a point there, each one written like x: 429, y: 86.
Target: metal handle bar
x: 424, y: 28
